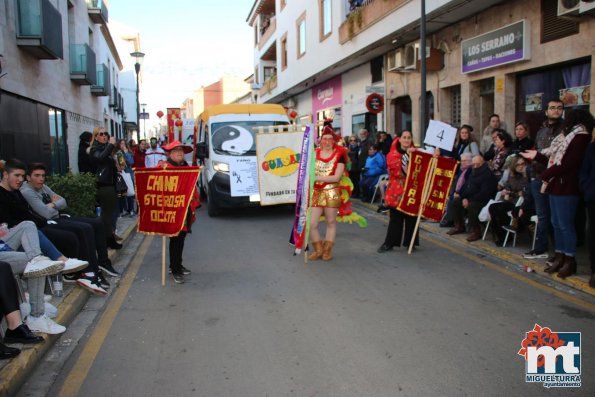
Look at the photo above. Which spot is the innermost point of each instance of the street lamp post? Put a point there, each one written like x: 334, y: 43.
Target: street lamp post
x: 144, y: 106
x: 139, y: 59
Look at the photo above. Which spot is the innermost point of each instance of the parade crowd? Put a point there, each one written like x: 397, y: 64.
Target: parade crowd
x: 543, y: 183
x: 39, y: 241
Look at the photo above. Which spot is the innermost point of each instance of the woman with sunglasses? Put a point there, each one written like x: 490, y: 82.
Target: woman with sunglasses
x: 101, y: 152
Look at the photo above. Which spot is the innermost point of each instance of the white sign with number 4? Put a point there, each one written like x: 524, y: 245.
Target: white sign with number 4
x: 440, y: 135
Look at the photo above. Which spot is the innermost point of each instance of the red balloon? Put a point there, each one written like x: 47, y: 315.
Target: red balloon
x: 179, y: 123
x: 160, y: 114
x: 293, y: 114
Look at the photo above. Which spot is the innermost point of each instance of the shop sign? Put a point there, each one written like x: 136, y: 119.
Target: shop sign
x: 498, y: 47
x: 327, y: 95
x: 374, y: 88
x: 375, y: 103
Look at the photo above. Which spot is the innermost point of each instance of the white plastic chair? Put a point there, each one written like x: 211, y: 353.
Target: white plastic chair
x: 383, y: 177
x: 534, y: 220
x: 508, y: 229
x: 498, y: 199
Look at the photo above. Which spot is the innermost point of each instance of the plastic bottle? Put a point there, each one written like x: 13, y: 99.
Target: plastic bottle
x: 58, y: 284
x: 98, y: 211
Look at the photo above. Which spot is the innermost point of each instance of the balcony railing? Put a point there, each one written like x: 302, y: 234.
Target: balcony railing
x: 268, y: 85
x: 97, y: 11
x: 102, y: 87
x: 113, y: 98
x: 268, y: 32
x: 120, y: 105
x: 365, y: 13
x: 39, y: 29
x: 83, y: 69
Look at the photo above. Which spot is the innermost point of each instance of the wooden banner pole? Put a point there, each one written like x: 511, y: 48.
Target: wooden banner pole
x: 424, y: 198
x: 163, y: 261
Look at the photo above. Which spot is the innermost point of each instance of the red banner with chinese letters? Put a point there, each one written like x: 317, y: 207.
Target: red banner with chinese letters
x: 442, y: 178
x: 163, y: 198
x: 417, y: 174
x: 173, y: 114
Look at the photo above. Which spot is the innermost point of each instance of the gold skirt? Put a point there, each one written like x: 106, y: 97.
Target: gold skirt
x: 329, y: 197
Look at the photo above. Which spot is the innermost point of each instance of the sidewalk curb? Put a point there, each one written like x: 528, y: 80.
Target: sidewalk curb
x: 17, y: 371
x: 580, y: 283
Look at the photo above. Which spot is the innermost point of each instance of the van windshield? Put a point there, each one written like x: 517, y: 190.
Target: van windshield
x: 237, y: 138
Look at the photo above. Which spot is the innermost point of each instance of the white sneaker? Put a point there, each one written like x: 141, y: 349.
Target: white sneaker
x: 50, y: 310
x: 89, y: 282
x: 44, y: 324
x: 46, y: 298
x: 73, y: 265
x: 41, y: 266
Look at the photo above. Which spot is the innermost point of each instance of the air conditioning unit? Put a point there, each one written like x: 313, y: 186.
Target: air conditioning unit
x: 395, y: 60
x: 410, y: 56
x: 568, y: 7
x: 418, y: 50
x: 587, y: 7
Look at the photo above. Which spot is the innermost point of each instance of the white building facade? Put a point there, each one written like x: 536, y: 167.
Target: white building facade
x: 62, y: 77
x: 328, y: 58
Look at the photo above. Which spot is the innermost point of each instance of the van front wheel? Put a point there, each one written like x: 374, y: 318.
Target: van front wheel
x: 212, y: 208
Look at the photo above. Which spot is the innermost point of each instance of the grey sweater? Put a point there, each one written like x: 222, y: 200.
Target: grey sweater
x: 36, y: 200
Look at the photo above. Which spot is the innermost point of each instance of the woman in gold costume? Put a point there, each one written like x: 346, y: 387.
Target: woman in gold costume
x: 331, y: 162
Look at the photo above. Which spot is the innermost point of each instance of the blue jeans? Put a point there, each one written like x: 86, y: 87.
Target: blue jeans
x: 563, y: 210
x: 47, y: 248
x: 542, y: 210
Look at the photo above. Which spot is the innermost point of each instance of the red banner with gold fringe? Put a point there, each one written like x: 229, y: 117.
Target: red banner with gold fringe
x: 417, y: 174
x: 442, y: 178
x: 163, y: 198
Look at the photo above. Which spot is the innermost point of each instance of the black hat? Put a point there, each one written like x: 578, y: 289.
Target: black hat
x: 86, y: 136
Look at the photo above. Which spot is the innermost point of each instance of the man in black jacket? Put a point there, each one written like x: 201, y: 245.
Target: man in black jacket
x: 481, y: 186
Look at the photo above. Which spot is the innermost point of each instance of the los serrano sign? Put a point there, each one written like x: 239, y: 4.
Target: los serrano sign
x: 498, y: 47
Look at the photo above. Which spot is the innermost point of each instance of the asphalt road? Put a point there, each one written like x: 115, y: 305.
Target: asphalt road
x: 254, y: 320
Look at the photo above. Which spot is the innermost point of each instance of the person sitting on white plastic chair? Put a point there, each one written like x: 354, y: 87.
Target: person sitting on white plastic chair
x: 381, y: 187
x: 511, y: 197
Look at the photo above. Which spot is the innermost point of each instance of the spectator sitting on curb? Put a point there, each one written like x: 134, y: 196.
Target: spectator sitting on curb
x: 32, y: 265
x: 16, y: 330
x: 48, y: 204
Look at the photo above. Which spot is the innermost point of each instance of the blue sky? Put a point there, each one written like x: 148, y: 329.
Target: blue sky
x: 188, y: 43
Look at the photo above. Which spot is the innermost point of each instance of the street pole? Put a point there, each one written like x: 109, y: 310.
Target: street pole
x: 144, y: 107
x: 139, y: 58
x: 137, y: 70
x: 422, y: 48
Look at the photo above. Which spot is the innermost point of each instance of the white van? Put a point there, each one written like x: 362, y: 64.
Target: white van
x: 226, y: 143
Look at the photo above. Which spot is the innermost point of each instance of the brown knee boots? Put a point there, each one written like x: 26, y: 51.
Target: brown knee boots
x: 327, y: 250
x: 317, y: 254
